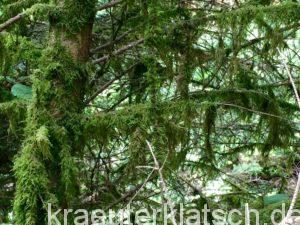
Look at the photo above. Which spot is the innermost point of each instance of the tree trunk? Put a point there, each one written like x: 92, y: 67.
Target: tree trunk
x: 46, y: 167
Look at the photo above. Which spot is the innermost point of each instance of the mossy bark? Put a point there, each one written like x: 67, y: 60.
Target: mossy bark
x: 46, y: 167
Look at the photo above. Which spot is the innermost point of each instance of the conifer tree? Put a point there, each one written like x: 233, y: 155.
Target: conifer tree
x: 86, y: 84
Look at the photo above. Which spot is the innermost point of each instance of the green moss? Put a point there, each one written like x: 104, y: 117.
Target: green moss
x: 52, y: 133
x: 128, y: 120
x: 272, y: 12
x: 209, y: 122
x: 63, y: 16
x: 33, y: 181
x: 46, y: 167
x: 15, y: 111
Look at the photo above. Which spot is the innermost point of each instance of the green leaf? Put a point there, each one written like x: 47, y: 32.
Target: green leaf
x: 268, y: 200
x: 21, y: 91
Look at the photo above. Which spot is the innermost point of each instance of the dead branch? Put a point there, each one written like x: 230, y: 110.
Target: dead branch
x: 109, y: 44
x: 11, y: 21
x: 162, y: 182
x: 119, y: 51
x: 295, y: 196
x: 109, y: 5
x: 285, y: 64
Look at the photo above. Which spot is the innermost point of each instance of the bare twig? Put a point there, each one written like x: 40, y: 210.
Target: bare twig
x: 143, y: 185
x: 284, y: 62
x: 294, y: 197
x: 287, y: 220
x: 296, y: 192
x: 108, y: 44
x: 162, y: 182
x: 119, y: 51
x: 149, y: 176
x: 252, y: 110
x: 105, y: 86
x: 123, y: 197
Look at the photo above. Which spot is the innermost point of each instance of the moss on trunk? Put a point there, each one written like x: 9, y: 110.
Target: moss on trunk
x: 46, y: 168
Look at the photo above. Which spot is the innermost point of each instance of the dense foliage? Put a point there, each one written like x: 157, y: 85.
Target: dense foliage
x: 85, y: 84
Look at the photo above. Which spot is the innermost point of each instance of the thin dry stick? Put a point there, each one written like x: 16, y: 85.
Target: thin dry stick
x: 284, y: 62
x: 286, y: 219
x: 292, y: 206
x: 252, y: 110
x: 143, y: 185
x: 147, y: 179
x: 290, y: 211
x: 119, y: 51
x: 162, y: 182
x: 109, y: 44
